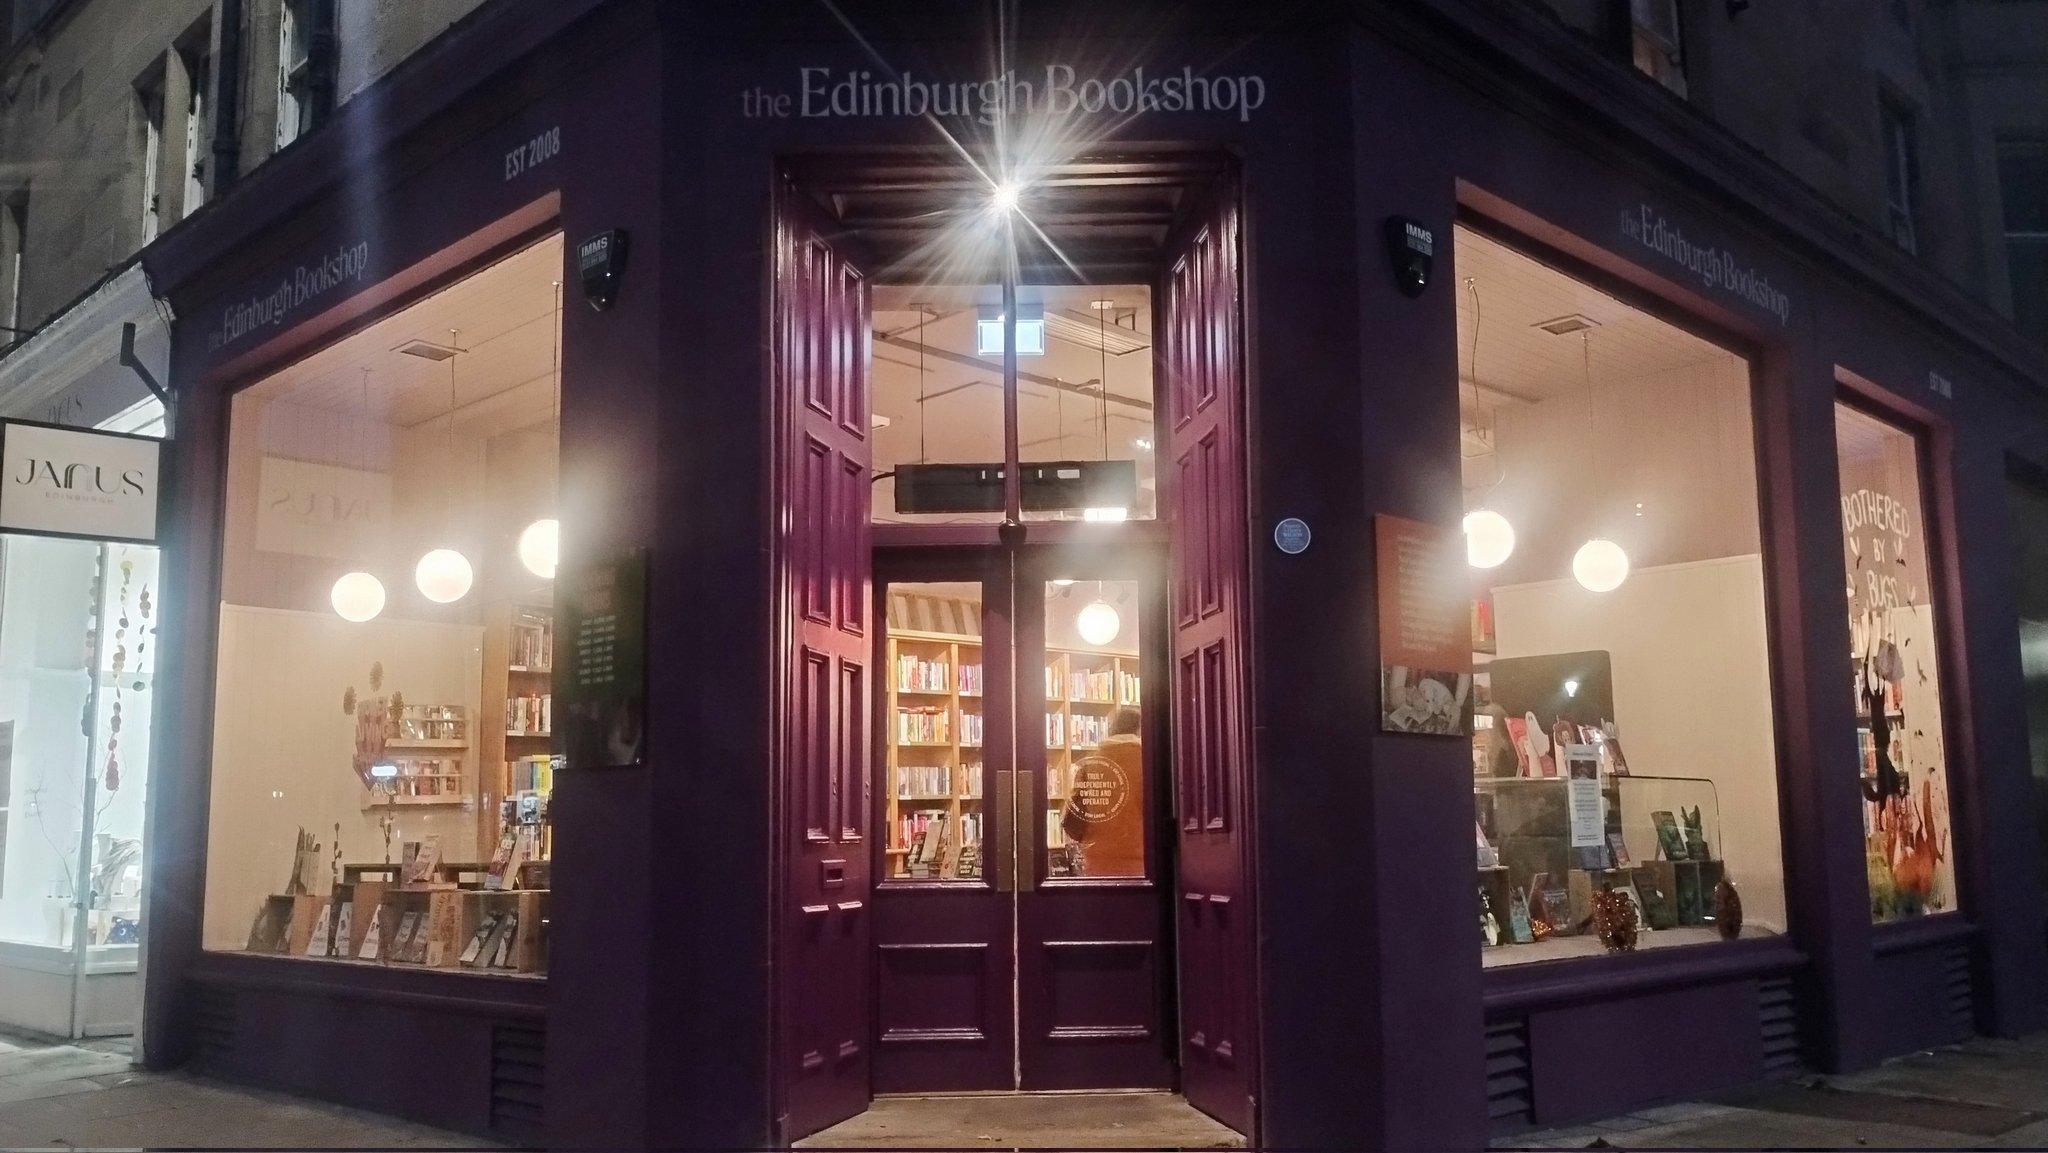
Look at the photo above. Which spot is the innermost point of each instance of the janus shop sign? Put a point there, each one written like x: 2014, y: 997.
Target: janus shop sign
x: 73, y: 482
x: 1057, y: 91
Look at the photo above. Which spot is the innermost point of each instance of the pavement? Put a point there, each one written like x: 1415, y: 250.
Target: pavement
x: 1986, y: 1093
x: 91, y: 1096
x: 1983, y: 1094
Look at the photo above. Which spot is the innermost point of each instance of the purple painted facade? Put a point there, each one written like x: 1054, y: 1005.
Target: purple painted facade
x: 1367, y: 1019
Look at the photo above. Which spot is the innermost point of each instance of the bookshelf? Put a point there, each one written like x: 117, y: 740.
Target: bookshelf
x: 515, y: 732
x: 932, y: 776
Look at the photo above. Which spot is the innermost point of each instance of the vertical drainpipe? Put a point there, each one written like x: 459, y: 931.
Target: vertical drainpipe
x: 322, y: 50
x: 227, y: 103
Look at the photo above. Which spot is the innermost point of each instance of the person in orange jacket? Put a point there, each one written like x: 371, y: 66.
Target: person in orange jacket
x: 1105, y: 812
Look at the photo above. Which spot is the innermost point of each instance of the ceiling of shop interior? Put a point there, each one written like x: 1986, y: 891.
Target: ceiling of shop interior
x: 503, y: 320
x: 1518, y: 363
x: 923, y: 214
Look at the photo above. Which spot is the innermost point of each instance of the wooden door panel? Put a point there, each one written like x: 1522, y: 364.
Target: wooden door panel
x: 1203, y: 358
x: 822, y: 765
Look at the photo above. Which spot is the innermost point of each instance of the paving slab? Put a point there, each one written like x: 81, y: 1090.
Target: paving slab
x: 1763, y: 1129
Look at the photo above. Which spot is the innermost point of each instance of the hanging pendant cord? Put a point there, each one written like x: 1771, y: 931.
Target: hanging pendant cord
x: 1102, y: 373
x: 921, y: 310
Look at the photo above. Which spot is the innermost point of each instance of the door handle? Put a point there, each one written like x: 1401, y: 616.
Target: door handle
x: 1029, y: 837
x: 1005, y: 858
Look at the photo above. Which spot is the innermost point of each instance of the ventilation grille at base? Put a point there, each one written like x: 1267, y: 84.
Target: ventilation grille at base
x: 214, y: 1012
x: 1956, y: 989
x: 1778, y: 1008
x: 1510, y: 1104
x: 518, y: 1076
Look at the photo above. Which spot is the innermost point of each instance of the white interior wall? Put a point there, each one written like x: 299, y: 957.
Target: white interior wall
x: 283, y: 748
x: 1692, y: 694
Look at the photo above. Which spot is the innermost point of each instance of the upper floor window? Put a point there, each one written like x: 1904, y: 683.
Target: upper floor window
x: 1901, y: 174
x: 13, y: 244
x: 199, y: 67
x: 152, y: 101
x: 295, y: 27
x: 1655, y: 42
x: 2023, y: 190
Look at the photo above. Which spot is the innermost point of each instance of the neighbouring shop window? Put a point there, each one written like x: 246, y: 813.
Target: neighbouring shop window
x: 1084, y: 400
x: 1624, y: 735
x: 1896, y: 664
x: 2023, y: 192
x: 2027, y: 504
x: 381, y: 764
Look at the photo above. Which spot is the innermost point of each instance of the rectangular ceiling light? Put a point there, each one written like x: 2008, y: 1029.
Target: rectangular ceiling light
x: 426, y: 350
x: 1566, y: 325
x: 1091, y: 334
x: 988, y: 332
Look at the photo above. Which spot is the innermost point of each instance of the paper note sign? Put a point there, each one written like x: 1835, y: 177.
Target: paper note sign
x: 1425, y: 628
x: 78, y: 483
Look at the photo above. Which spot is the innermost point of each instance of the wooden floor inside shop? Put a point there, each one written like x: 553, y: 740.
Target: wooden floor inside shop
x: 1029, y: 1121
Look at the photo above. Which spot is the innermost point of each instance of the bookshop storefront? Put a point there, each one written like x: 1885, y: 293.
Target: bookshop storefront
x: 1408, y: 527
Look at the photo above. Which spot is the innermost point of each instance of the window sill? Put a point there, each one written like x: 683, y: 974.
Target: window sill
x: 1891, y: 937
x: 1572, y: 980
x: 449, y: 990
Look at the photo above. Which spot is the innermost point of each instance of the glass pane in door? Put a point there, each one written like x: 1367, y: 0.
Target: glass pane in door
x: 1094, y: 754
x: 932, y: 809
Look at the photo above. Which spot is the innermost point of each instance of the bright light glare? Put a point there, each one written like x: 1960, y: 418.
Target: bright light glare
x: 1005, y: 197
x: 1106, y: 515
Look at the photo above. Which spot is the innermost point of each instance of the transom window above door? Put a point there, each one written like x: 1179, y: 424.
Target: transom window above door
x: 1085, y: 403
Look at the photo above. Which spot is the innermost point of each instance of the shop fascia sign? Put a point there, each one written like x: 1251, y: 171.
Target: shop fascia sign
x: 1056, y: 91
x: 76, y: 483
x: 281, y: 299
x: 1714, y: 266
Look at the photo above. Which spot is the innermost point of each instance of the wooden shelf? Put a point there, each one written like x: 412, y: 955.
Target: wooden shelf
x: 535, y: 670
x: 425, y: 743
x: 412, y: 802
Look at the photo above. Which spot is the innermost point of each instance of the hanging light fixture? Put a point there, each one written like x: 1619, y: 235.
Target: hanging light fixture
x: 1099, y: 622
x: 540, y: 547
x: 357, y: 597
x: 1489, y: 537
x: 444, y: 575
x: 1600, y: 564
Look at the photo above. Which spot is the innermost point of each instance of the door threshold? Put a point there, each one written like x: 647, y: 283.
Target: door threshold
x: 1010, y: 1119
x: 1012, y: 1094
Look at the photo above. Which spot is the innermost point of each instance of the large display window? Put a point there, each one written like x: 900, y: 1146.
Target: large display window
x: 1895, y: 656
x: 382, y: 760
x: 1625, y: 770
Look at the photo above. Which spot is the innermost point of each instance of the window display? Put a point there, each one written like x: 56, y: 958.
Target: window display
x: 1084, y: 393
x: 1624, y: 742
x: 383, y: 717
x: 1896, y: 666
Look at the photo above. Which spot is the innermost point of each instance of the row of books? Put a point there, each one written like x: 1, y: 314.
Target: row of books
x: 530, y: 715
x: 533, y: 641
x: 1089, y: 731
x: 924, y: 781
x: 924, y: 726
x: 426, y: 776
x: 1103, y: 686
x: 970, y: 729
x: 533, y: 775
x: 917, y: 675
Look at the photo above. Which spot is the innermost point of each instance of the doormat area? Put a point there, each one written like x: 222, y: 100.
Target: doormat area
x: 1884, y: 1108
x: 999, y: 1121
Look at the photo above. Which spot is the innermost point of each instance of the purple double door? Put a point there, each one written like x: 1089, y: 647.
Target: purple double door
x: 1021, y: 939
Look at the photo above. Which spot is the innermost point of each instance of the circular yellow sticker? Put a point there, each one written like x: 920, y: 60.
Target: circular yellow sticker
x: 1101, y: 790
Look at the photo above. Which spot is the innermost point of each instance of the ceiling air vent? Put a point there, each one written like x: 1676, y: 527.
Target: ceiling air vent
x: 1566, y: 325
x: 426, y: 350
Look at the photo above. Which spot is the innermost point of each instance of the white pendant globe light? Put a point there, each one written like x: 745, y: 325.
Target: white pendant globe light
x: 444, y: 576
x: 540, y: 547
x: 1489, y: 538
x: 1098, y: 623
x: 1600, y: 565
x: 357, y: 597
